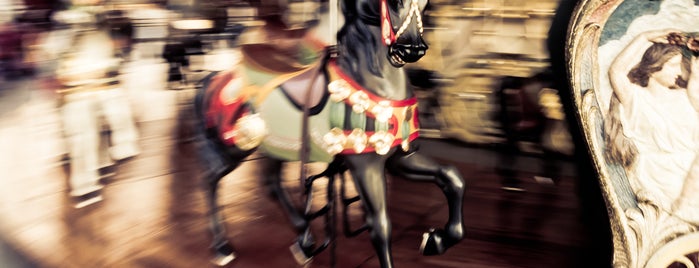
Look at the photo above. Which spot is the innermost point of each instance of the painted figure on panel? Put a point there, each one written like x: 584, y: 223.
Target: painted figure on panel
x: 653, y: 123
x: 635, y: 70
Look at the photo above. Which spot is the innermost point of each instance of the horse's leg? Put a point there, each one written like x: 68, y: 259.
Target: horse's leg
x: 222, y: 248
x: 415, y: 166
x: 273, y: 167
x: 218, y: 161
x: 369, y: 178
x: 305, y: 242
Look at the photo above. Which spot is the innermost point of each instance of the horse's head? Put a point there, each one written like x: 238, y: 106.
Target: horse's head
x: 401, y: 30
x: 401, y: 26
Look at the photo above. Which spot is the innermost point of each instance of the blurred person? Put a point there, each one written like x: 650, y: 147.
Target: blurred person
x: 555, y: 139
x: 524, y: 119
x: 12, y: 45
x: 11, y: 50
x: 88, y: 73
x: 38, y: 13
x: 121, y: 31
x: 509, y: 93
x: 656, y: 105
x: 35, y: 22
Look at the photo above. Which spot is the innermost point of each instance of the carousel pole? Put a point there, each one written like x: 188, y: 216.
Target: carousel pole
x: 333, y: 28
x: 334, y: 11
x: 304, y: 154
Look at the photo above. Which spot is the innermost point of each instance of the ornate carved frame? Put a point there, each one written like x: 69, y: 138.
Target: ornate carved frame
x: 643, y: 235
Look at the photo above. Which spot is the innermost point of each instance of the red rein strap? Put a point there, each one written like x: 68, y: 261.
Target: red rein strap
x: 389, y: 37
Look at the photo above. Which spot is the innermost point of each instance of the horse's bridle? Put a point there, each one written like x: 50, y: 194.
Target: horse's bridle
x: 389, y: 37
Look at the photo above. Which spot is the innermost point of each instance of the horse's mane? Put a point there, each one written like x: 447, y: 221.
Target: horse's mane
x: 356, y: 41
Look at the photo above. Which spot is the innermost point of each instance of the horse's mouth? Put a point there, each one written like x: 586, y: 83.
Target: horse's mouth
x: 396, y: 60
x: 399, y: 55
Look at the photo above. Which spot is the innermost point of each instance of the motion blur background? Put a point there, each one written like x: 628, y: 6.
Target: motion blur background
x: 474, y: 85
x: 489, y: 102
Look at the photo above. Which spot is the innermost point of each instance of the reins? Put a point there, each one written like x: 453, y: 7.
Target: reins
x: 305, y: 151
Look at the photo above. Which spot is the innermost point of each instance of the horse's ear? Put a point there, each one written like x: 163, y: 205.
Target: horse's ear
x: 368, y: 10
x: 349, y: 9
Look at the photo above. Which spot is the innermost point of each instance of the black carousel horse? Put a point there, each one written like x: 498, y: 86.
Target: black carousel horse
x: 350, y: 108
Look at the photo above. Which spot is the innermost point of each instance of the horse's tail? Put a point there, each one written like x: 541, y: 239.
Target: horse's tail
x: 199, y: 97
x: 210, y: 155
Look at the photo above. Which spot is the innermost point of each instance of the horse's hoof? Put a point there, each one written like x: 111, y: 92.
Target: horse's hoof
x: 435, y: 242
x: 301, y: 255
x: 224, y: 254
x: 88, y: 199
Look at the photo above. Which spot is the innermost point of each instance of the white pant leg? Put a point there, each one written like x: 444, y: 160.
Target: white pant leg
x: 117, y: 111
x: 80, y: 127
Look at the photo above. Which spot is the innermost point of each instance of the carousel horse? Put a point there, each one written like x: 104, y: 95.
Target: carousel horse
x: 349, y: 107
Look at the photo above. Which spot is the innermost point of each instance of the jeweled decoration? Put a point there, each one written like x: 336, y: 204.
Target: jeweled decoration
x: 405, y: 145
x: 249, y: 131
x: 358, y: 140
x: 360, y: 102
x: 335, y: 141
x: 381, y: 141
x: 383, y: 111
x: 339, y: 90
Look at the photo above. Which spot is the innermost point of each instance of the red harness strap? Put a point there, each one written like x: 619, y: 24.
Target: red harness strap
x: 389, y: 37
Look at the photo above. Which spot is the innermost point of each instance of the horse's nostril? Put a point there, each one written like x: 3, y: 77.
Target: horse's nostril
x: 410, y: 52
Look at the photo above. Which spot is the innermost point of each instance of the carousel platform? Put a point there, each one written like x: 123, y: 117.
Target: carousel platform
x: 154, y: 213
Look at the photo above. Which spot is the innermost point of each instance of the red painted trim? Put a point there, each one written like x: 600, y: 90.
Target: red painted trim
x: 351, y: 151
x: 222, y: 115
x: 386, y: 25
x: 394, y: 103
x: 393, y: 122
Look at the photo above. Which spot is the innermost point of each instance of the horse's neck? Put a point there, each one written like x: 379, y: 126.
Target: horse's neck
x: 391, y: 81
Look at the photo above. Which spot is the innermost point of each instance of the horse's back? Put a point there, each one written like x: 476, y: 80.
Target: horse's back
x: 277, y: 98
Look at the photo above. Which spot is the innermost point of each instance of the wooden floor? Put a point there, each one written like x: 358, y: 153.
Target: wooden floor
x: 154, y: 214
